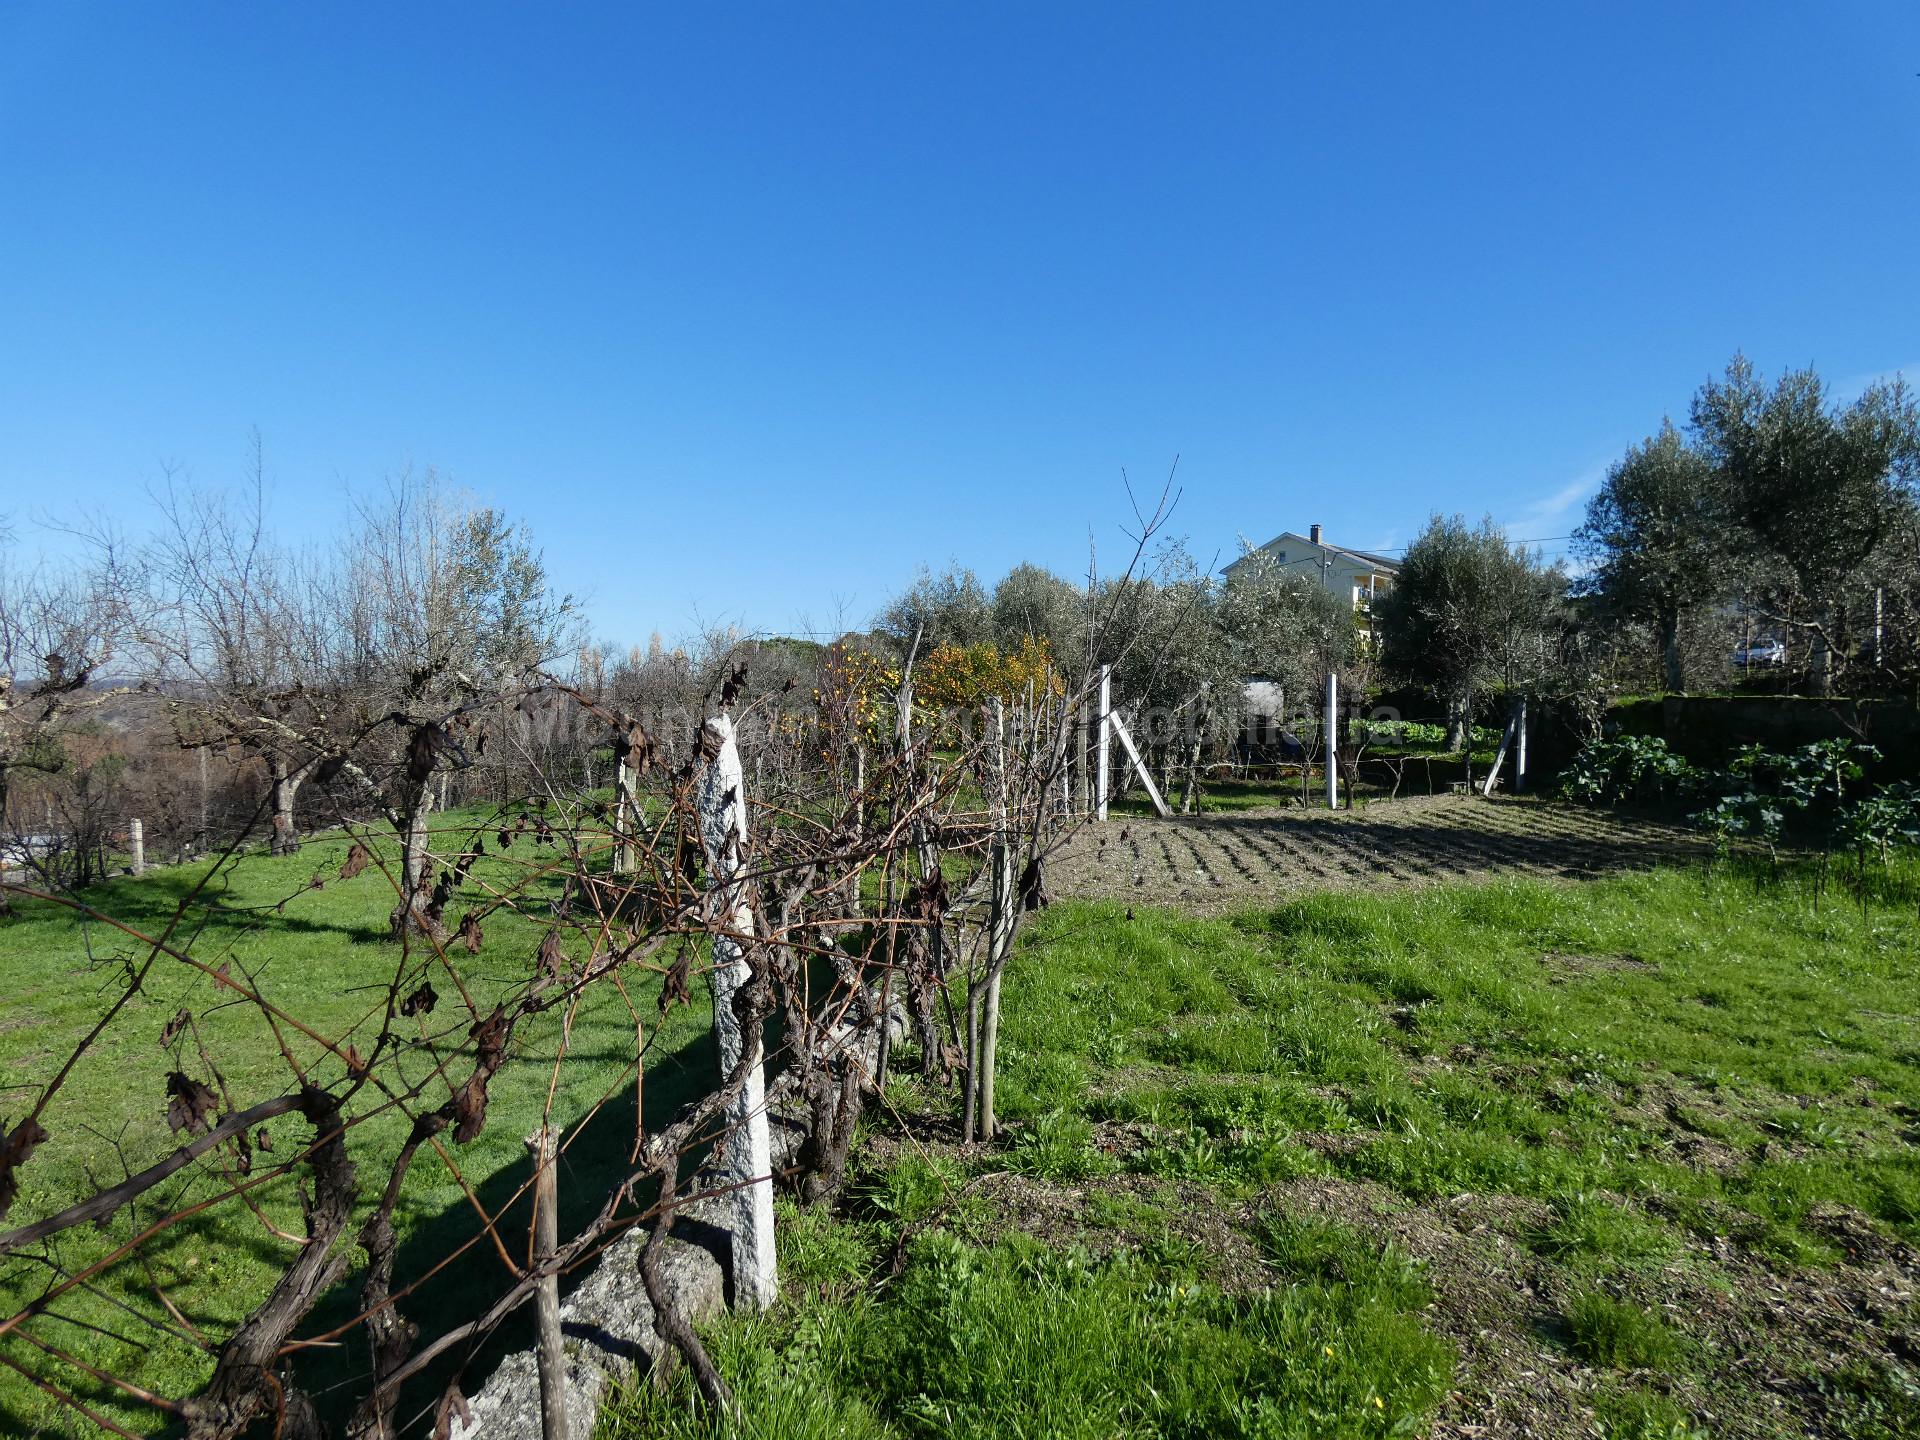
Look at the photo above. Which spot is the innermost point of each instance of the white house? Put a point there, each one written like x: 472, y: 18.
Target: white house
x: 1358, y: 574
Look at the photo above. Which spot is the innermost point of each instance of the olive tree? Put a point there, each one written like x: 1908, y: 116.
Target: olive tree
x: 1469, y: 612
x: 1285, y: 626
x: 1817, y: 488
x: 948, y: 608
x: 1031, y: 603
x: 1656, y: 536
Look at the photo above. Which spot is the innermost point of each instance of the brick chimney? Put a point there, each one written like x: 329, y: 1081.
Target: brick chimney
x: 1313, y: 533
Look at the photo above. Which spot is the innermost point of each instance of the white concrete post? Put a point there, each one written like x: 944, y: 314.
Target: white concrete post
x: 1520, y: 749
x: 747, y: 1166
x: 1333, y: 741
x: 1508, y: 737
x: 137, y: 843
x: 1125, y: 737
x: 623, y: 782
x: 1103, y: 762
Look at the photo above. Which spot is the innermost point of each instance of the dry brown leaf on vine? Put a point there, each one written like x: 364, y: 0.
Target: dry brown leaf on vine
x: 170, y: 1031
x: 673, y: 989
x: 15, y: 1147
x: 552, y: 959
x: 452, y: 1406
x: 490, y: 1037
x: 191, y: 1105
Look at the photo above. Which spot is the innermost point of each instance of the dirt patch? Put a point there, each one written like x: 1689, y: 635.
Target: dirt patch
x: 1760, y: 1334
x: 1759, y: 1337
x: 1564, y: 965
x: 1488, y: 1300
x: 1219, y: 862
x: 1166, y: 1215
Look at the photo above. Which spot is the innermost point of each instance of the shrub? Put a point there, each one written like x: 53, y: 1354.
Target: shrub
x: 1638, y: 768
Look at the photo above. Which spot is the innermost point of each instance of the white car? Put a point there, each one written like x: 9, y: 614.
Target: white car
x: 1761, y: 652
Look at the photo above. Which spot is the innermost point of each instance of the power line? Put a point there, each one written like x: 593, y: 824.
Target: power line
x: 1402, y: 549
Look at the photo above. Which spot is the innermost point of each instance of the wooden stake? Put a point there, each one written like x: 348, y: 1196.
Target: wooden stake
x: 552, y: 1355
x: 1520, y: 748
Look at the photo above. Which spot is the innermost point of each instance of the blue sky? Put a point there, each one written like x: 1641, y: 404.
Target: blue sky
x: 867, y: 286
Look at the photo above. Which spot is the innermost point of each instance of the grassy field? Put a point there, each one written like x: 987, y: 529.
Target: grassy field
x: 1629, y: 1158
x: 322, y: 955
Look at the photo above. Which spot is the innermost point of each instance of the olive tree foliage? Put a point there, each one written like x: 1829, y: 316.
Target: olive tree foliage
x: 1173, y: 670
x: 1470, y: 613
x: 947, y: 608
x: 1894, y: 608
x: 1180, y: 641
x: 1185, y: 643
x: 1657, y: 537
x: 1163, y: 641
x: 243, y: 638
x: 1819, y: 490
x: 1034, y: 603
x: 1285, y: 626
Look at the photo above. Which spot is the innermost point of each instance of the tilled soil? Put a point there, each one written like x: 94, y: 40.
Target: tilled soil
x: 1219, y: 862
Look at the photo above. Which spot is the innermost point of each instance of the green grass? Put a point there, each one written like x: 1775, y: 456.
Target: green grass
x: 1546, y: 1041
x: 322, y: 955
x: 1018, y: 1338
x: 1637, y: 1064
x: 1620, y: 1334
x: 1566, y: 1046
x: 1589, y: 1229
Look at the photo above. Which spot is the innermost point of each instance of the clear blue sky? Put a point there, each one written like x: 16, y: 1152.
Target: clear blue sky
x: 876, y: 285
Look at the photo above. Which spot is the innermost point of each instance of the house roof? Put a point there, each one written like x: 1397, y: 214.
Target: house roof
x: 1365, y: 557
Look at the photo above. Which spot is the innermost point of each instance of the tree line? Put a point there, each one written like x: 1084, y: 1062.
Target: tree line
x: 1782, y: 503
x: 213, y: 672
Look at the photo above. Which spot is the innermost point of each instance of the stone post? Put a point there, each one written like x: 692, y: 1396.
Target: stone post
x: 747, y: 1165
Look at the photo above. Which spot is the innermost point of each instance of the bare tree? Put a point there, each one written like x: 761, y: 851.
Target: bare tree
x: 245, y: 639
x: 451, y: 621
x: 62, y: 632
